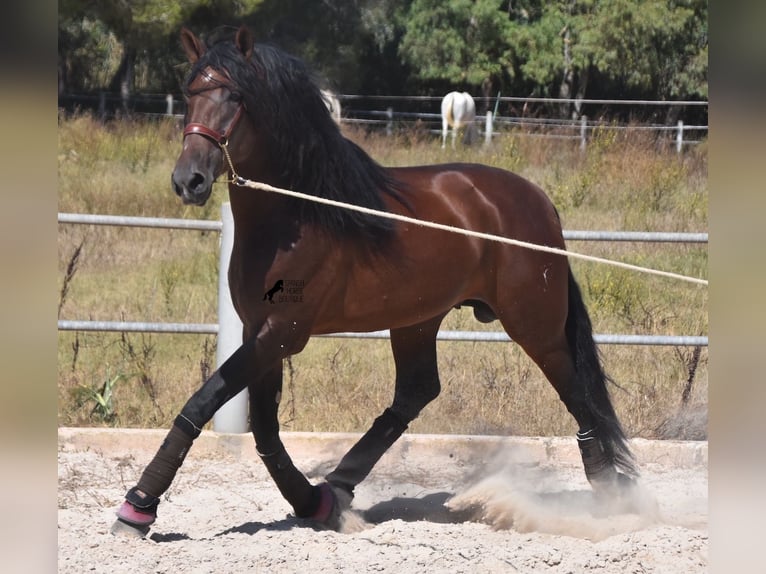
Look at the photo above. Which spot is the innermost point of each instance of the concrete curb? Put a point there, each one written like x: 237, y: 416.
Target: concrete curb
x: 460, y: 449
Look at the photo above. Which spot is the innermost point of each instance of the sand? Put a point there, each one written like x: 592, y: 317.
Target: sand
x: 429, y: 506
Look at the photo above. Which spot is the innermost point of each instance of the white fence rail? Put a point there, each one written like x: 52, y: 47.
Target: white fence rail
x: 212, y: 225
x: 488, y: 336
x: 473, y: 336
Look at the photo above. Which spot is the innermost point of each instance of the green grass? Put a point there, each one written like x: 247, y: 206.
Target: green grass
x: 622, y: 182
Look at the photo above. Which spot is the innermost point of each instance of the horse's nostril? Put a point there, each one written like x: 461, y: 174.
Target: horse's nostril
x: 196, y: 181
x: 190, y: 184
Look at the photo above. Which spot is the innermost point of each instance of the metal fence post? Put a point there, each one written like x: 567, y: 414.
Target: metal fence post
x: 231, y: 417
x: 488, y: 129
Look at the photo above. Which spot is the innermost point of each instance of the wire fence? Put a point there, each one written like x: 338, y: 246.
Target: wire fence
x: 408, y: 112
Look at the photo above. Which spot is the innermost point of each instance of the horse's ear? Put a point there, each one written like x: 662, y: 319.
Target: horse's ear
x: 192, y: 46
x: 244, y: 41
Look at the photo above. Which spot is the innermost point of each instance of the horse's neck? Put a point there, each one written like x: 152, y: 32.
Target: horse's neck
x: 252, y: 208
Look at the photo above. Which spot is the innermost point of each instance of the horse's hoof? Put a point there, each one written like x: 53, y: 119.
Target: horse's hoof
x: 332, y: 503
x: 611, y: 484
x: 126, y: 530
x: 625, y: 483
x: 131, y: 522
x: 622, y: 493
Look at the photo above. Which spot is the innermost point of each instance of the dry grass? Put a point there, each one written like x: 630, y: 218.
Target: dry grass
x: 626, y: 182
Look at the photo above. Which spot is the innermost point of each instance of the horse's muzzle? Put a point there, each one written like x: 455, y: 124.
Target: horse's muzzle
x: 193, y: 188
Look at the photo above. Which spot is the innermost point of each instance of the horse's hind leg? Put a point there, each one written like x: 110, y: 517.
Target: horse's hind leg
x: 417, y: 384
x: 560, y: 341
x: 602, y: 445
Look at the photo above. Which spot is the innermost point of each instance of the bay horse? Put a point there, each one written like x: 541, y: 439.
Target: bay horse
x: 458, y: 113
x: 254, y: 107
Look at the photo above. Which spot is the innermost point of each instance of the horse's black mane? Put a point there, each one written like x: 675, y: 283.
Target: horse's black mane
x: 311, y: 155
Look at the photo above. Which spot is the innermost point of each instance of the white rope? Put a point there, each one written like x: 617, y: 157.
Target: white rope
x: 242, y: 182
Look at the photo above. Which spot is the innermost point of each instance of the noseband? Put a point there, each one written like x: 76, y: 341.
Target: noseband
x: 220, y: 138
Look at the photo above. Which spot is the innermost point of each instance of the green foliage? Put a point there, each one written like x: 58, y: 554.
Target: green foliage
x: 101, y: 397
x: 655, y: 48
x: 462, y: 41
x: 89, y: 54
x: 656, y: 45
x: 137, y: 40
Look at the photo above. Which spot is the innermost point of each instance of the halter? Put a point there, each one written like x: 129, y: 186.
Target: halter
x: 220, y: 138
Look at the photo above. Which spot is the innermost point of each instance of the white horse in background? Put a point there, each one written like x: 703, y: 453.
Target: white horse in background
x: 333, y: 104
x: 458, y: 112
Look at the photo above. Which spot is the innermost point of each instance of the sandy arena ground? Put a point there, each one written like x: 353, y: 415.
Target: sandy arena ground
x: 432, y: 505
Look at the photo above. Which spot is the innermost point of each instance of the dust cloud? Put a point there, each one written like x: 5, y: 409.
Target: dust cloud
x: 531, y: 498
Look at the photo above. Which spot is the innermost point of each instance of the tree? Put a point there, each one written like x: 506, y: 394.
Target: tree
x: 461, y: 41
x: 546, y: 36
x: 352, y: 43
x: 144, y: 31
x: 86, y: 51
x: 655, y: 48
x: 658, y: 46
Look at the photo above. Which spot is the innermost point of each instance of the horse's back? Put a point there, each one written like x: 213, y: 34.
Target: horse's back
x: 442, y: 269
x: 482, y: 198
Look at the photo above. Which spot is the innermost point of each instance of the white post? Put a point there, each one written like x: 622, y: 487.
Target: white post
x: 583, y: 132
x: 169, y: 106
x: 390, y: 121
x: 488, y: 129
x: 231, y: 417
x: 680, y: 136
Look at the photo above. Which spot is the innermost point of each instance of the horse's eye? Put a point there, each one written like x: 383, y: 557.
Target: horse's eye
x: 235, y: 96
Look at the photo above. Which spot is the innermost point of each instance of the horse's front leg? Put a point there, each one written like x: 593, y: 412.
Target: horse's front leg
x: 139, y: 510
x: 265, y: 395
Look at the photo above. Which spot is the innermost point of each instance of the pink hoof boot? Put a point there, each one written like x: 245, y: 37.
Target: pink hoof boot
x: 131, y: 522
x: 332, y: 503
x: 326, y: 503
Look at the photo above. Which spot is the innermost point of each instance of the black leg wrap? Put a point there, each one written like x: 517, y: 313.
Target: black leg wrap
x: 159, y: 474
x: 598, y: 464
x: 359, y: 461
x: 142, y: 502
x: 293, y: 485
x: 187, y: 425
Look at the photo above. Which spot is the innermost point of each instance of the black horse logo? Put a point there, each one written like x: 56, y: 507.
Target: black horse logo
x: 278, y: 286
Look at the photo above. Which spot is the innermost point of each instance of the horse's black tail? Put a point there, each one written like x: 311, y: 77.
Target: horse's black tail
x: 591, y: 378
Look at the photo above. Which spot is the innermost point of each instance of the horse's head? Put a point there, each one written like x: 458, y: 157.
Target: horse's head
x: 215, y: 120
